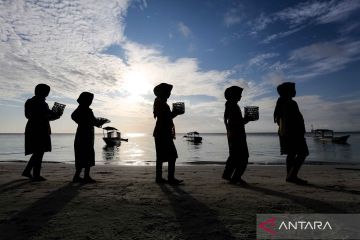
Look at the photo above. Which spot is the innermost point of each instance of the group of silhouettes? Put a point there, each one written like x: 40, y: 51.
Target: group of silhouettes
x: 286, y: 115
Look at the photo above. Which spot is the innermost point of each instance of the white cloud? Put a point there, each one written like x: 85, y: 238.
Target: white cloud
x: 337, y: 115
x: 275, y: 78
x: 352, y: 27
x: 323, y: 58
x: 260, y: 23
x: 321, y: 11
x: 184, y: 30
x: 232, y: 17
x: 304, y: 14
x: 265, y: 62
x: 259, y: 60
x: 62, y: 43
x: 304, y: 11
x: 339, y: 11
x: 280, y: 35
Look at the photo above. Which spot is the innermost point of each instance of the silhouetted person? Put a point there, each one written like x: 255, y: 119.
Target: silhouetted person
x: 84, y: 138
x: 291, y: 131
x: 37, y: 131
x: 164, y: 133
x: 235, y: 127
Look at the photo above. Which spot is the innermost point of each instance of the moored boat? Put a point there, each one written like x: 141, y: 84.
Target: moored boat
x: 193, y: 137
x: 112, y: 137
x: 327, y: 135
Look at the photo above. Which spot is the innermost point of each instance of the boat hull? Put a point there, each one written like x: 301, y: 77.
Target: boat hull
x: 194, y: 139
x: 342, y: 139
x: 112, y: 141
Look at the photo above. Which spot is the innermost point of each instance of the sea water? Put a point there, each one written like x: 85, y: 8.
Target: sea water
x: 140, y: 150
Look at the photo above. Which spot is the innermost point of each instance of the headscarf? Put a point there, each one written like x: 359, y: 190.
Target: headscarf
x: 85, y: 98
x: 163, y: 90
x: 233, y: 92
x: 286, y: 89
x: 42, y: 90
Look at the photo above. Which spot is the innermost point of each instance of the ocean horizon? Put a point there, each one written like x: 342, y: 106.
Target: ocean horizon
x: 140, y: 149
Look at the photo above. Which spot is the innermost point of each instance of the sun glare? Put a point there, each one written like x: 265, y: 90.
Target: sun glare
x: 136, y: 84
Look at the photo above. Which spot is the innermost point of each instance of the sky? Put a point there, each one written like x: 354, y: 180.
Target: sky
x: 120, y: 49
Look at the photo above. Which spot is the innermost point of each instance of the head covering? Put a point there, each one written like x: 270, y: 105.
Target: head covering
x: 42, y: 90
x: 163, y: 90
x: 233, y: 92
x: 286, y: 89
x: 85, y: 98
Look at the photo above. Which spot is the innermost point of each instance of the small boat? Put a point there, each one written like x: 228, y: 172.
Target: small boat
x: 327, y: 135
x: 193, y: 137
x: 112, y: 137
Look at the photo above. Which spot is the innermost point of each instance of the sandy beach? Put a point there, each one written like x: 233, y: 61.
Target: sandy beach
x: 125, y: 203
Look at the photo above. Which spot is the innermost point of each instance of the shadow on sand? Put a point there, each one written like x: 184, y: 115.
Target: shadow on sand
x: 316, y: 206
x: 29, y: 221
x: 13, y: 184
x: 335, y: 189
x: 196, y: 219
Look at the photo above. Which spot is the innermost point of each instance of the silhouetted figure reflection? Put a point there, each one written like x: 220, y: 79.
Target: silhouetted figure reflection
x: 84, y: 138
x: 291, y: 131
x: 164, y: 133
x: 235, y: 127
x: 38, y: 131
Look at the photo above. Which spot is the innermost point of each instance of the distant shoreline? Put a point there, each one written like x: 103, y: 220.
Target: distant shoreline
x: 202, y: 133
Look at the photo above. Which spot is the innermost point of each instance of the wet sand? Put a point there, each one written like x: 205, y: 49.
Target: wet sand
x: 125, y: 203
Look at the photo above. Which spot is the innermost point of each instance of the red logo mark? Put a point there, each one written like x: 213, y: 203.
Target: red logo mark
x: 270, y: 222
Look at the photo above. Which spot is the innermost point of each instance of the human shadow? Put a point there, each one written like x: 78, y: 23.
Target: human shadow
x: 13, y: 184
x: 196, y: 219
x: 316, y: 205
x: 31, y: 220
x: 349, y: 169
x: 333, y: 189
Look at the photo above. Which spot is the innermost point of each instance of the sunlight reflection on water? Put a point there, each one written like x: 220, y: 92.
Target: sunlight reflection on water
x: 140, y: 149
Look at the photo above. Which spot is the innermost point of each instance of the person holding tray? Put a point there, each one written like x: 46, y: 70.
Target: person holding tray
x: 291, y: 131
x: 84, y: 138
x: 235, y: 127
x: 164, y: 133
x: 38, y: 131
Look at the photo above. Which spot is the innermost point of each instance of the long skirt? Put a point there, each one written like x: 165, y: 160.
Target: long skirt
x: 165, y: 149
x: 293, y: 145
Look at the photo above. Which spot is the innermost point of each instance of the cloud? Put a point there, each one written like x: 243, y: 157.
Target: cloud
x: 280, y: 35
x: 327, y: 113
x: 184, y: 30
x: 304, y: 11
x: 321, y: 11
x: 260, y: 23
x: 264, y: 62
x: 308, y: 62
x: 259, y: 60
x: 60, y: 43
x: 304, y: 14
x: 323, y: 58
x: 339, y: 11
x: 350, y: 28
x: 66, y: 45
x: 232, y: 17
x: 142, y: 4
x: 275, y: 78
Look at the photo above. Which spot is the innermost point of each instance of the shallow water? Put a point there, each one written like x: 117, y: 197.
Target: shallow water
x: 140, y: 150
